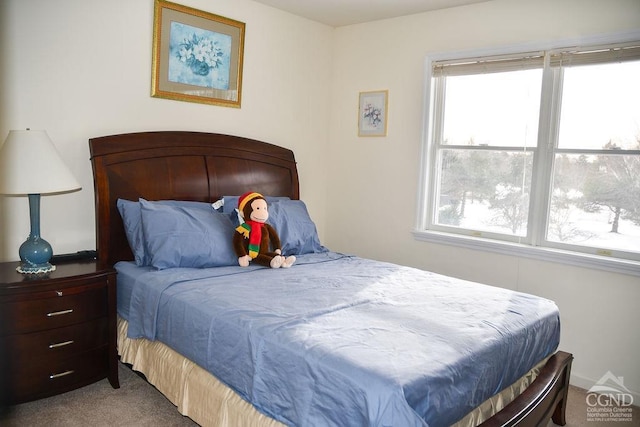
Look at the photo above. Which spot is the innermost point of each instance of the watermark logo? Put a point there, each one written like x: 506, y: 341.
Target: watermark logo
x: 609, y: 400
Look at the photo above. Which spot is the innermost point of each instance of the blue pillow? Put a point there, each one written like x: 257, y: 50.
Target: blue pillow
x: 298, y: 233
x: 231, y: 202
x: 182, y: 236
x: 131, y: 218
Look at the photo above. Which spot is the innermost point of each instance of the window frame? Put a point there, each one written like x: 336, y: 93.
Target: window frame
x: 536, y: 245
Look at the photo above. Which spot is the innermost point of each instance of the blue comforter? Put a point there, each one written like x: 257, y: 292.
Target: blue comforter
x: 344, y: 341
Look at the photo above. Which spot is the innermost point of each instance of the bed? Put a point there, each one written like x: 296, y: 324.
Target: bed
x: 333, y: 340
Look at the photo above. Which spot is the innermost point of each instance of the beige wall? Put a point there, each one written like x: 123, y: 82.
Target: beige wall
x: 81, y: 68
x: 374, y: 183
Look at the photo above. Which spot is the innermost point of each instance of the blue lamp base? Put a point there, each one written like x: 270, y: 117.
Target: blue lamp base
x: 35, y: 252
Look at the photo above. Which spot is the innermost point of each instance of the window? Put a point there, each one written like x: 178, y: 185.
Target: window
x: 538, y: 149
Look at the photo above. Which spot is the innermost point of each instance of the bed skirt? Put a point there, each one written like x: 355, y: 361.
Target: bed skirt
x: 200, y: 396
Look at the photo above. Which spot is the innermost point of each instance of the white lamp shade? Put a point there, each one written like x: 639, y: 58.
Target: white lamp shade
x: 30, y: 164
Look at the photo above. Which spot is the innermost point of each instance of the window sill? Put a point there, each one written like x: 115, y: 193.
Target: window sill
x: 615, y: 265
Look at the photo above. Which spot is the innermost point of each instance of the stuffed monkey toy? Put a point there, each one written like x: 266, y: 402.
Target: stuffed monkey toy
x: 255, y: 240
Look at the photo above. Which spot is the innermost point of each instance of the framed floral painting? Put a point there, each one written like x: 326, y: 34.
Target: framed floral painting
x: 197, y: 56
x: 372, y: 113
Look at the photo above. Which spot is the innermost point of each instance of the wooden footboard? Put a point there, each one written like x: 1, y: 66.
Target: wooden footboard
x: 544, y: 399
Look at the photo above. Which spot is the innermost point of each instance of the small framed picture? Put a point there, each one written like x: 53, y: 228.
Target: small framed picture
x: 372, y: 113
x: 197, y: 56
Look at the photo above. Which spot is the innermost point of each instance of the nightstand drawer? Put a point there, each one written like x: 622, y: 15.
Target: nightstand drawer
x: 32, y: 381
x: 56, y: 343
x: 54, y: 312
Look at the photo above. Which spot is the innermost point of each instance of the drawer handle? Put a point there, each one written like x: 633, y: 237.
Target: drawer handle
x: 60, y: 344
x: 61, y: 374
x: 58, y: 313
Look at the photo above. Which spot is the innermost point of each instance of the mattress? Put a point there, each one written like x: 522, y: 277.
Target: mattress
x: 340, y: 340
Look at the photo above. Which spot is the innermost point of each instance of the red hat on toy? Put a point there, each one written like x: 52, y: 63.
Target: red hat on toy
x: 247, y: 198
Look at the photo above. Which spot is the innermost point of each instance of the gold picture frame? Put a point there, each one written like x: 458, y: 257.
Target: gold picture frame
x: 372, y: 113
x: 197, y: 56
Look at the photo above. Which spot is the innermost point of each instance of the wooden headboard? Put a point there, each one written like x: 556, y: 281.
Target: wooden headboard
x: 175, y: 165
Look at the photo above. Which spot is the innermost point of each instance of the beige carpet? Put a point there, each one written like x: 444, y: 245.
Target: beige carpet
x: 136, y: 403
x: 578, y: 413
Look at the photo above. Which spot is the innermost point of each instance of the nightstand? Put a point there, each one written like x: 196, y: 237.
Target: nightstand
x: 57, y: 331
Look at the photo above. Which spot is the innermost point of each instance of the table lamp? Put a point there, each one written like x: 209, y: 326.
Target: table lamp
x: 30, y: 165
